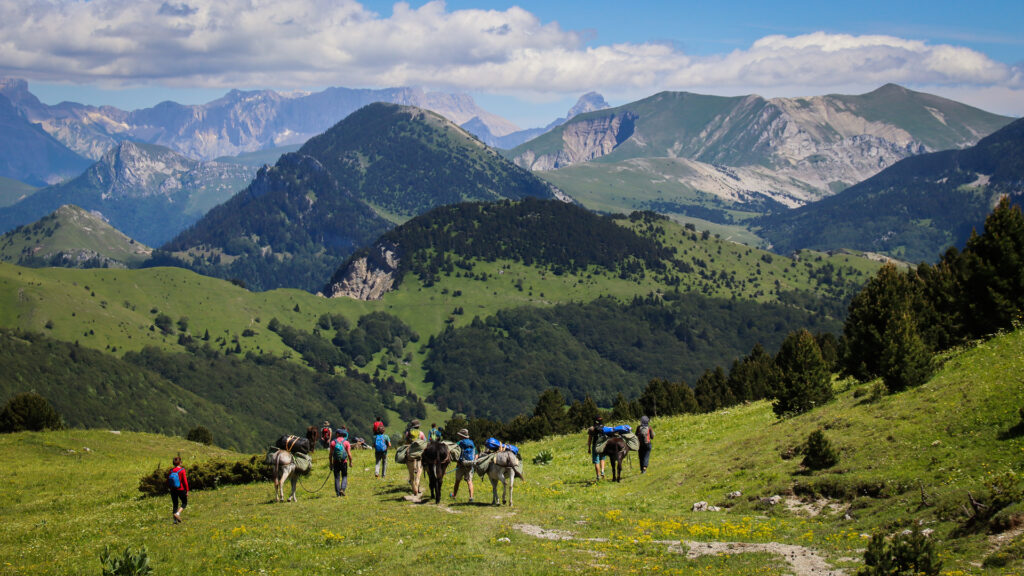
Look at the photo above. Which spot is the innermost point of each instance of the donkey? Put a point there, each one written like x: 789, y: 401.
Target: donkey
x: 284, y: 466
x: 311, y: 436
x: 436, y: 458
x: 615, y: 449
x: 502, y: 468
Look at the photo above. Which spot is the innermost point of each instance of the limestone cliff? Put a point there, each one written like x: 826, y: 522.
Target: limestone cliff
x: 366, y: 277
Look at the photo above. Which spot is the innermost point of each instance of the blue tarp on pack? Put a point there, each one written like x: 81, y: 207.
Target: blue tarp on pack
x: 620, y: 429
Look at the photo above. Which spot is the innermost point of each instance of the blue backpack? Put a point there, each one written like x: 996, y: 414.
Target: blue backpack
x: 339, y: 450
x: 380, y: 442
x: 468, y: 450
x: 173, y: 480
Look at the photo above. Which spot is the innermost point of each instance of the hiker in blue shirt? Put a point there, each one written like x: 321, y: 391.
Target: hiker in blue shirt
x: 434, y: 433
x: 381, y: 443
x: 464, y: 467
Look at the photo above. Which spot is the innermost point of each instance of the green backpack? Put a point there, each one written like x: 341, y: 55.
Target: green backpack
x: 340, y: 455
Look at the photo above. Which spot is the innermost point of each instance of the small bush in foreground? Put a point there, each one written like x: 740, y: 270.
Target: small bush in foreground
x: 208, y: 475
x: 127, y: 563
x: 912, y: 553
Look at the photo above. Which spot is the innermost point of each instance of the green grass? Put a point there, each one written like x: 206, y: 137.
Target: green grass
x: 72, y: 230
x: 61, y: 504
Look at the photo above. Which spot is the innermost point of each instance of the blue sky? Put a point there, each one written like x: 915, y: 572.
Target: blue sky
x: 527, y: 60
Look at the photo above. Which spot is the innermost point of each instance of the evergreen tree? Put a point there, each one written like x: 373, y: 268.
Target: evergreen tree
x: 995, y: 263
x: 888, y: 294
x: 551, y: 410
x: 753, y: 376
x: 803, y: 378
x: 582, y: 414
x: 818, y: 452
x: 28, y: 411
x: 905, y: 359
x: 622, y: 409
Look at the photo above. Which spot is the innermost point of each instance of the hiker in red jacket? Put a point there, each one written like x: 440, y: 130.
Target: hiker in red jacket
x: 177, y: 481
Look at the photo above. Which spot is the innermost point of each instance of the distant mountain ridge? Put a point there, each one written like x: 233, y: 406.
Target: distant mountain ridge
x: 240, y: 121
x: 148, y: 192
x: 28, y: 154
x: 298, y: 220
x: 914, y: 209
x: 589, y: 102
x: 792, y: 150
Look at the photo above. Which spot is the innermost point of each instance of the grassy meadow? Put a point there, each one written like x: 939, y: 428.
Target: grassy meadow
x: 904, y: 458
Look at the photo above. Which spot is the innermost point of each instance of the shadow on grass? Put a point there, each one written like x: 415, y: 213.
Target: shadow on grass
x: 1015, y: 431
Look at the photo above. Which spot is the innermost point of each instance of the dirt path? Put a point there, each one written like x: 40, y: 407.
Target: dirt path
x: 804, y: 561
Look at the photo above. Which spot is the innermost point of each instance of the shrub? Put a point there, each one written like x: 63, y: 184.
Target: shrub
x: 818, y: 452
x: 911, y: 553
x: 200, y: 434
x: 28, y: 411
x: 127, y: 563
x: 543, y: 458
x: 208, y: 475
x: 803, y: 377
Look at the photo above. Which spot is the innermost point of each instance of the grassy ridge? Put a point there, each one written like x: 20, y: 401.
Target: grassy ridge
x: 945, y: 438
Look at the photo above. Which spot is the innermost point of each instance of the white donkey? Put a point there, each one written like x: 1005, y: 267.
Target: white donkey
x: 502, y: 468
x: 284, y: 466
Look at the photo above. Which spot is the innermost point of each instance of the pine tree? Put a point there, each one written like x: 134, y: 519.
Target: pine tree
x: 889, y: 293
x: 818, y: 452
x: 803, y: 378
x: 905, y: 359
x: 551, y: 409
x: 995, y: 264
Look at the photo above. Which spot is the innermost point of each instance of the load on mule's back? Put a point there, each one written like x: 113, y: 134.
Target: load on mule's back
x: 289, y: 457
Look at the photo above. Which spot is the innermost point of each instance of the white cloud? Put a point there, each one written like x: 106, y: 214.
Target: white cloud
x: 302, y: 43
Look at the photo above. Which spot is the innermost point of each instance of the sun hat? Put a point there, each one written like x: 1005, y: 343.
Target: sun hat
x: 463, y: 433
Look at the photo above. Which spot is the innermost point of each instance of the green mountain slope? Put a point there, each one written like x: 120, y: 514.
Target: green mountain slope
x: 913, y: 210
x: 73, y: 238
x: 301, y: 218
x: 12, y: 191
x: 906, y: 459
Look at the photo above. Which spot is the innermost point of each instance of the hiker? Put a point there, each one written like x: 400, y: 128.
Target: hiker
x: 381, y: 443
x: 177, y: 481
x: 594, y: 436
x: 340, y: 458
x: 645, y: 434
x: 326, y: 433
x: 464, y: 467
x: 434, y: 433
x: 378, y: 425
x: 415, y: 465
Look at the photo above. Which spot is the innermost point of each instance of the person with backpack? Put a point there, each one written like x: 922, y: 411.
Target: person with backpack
x: 464, y: 467
x: 340, y: 458
x: 381, y: 443
x: 378, y: 425
x: 434, y: 433
x: 325, y: 434
x: 415, y: 465
x: 177, y: 481
x: 595, y: 434
x: 646, y: 435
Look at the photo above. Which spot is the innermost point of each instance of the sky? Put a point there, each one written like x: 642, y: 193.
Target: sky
x: 528, y: 61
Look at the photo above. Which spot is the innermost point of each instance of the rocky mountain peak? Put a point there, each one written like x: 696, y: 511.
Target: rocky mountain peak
x: 133, y: 169
x: 587, y: 103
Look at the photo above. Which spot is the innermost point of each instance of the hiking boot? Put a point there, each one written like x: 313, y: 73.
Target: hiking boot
x: 470, y: 499
x: 341, y: 493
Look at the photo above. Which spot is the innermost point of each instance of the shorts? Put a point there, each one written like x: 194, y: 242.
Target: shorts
x: 464, y: 470
x: 595, y: 457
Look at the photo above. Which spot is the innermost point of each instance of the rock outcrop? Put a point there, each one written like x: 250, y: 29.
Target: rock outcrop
x: 583, y: 141
x: 366, y: 277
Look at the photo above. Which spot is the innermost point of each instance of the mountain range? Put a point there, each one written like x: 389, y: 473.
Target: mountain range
x: 914, y: 209
x: 298, y: 220
x: 146, y: 191
x: 240, y: 121
x: 747, y: 149
x: 29, y: 154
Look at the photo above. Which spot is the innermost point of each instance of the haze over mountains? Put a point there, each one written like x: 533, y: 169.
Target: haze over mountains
x: 240, y: 121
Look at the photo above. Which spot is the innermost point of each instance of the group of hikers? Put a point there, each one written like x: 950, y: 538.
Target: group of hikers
x: 340, y: 457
